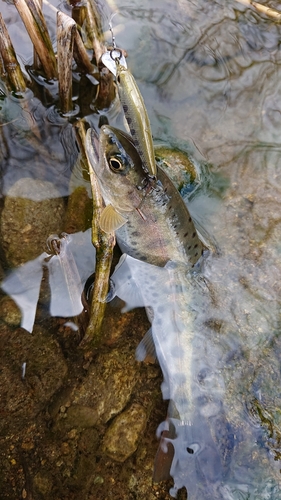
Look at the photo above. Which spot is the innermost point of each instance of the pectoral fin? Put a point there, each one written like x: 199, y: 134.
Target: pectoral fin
x: 146, y: 349
x: 111, y: 220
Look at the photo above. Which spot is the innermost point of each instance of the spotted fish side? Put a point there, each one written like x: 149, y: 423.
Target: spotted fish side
x: 187, y: 446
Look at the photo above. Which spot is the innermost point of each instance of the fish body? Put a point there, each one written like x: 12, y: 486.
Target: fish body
x: 136, y: 116
x: 188, y: 450
x: 155, y: 230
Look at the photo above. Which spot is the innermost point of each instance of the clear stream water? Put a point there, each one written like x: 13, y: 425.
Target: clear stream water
x: 210, y: 75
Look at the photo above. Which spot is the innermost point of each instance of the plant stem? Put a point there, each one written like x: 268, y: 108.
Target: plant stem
x: 35, y: 24
x: 10, y: 64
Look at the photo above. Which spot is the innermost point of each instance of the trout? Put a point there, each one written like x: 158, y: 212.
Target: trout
x: 149, y: 215
x: 162, y: 250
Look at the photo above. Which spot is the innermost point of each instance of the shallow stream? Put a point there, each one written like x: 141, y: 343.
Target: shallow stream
x: 209, y: 72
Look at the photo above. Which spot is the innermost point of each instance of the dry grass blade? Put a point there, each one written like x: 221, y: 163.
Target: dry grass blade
x: 65, y: 40
x: 262, y: 9
x: 35, y: 24
x: 104, y: 244
x: 10, y: 64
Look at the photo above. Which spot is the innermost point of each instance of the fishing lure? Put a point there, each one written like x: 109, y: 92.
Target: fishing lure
x: 133, y: 106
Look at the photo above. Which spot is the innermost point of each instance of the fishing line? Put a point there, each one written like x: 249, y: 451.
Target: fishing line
x: 115, y: 53
x: 111, y: 30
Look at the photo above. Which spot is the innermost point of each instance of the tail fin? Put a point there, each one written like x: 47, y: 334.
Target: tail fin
x: 165, y: 453
x: 189, y: 455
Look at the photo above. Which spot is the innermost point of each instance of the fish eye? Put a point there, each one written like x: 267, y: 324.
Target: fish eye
x: 115, y: 164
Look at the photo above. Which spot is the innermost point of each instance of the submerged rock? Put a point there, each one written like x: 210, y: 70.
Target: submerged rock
x: 79, y: 211
x: 82, y: 417
x: 122, y: 437
x: 106, y: 389
x: 32, y: 370
x: 177, y: 165
x: 33, y: 210
x: 110, y: 382
x: 42, y: 484
x: 9, y: 312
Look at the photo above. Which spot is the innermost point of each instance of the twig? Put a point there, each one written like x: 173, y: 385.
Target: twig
x: 258, y: 7
x: 36, y: 27
x: 104, y: 244
x: 10, y: 63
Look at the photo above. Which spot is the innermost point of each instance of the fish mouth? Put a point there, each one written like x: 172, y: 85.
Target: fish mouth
x: 92, y: 147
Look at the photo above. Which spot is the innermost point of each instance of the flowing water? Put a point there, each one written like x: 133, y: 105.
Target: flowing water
x: 209, y: 72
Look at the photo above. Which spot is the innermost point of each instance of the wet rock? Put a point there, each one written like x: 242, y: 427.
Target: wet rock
x: 33, y: 210
x: 122, y: 437
x: 9, y: 312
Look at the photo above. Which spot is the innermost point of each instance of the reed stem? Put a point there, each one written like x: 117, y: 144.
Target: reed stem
x: 94, y: 30
x: 80, y: 54
x: 65, y: 41
x: 35, y: 24
x: 37, y: 65
x: 10, y: 64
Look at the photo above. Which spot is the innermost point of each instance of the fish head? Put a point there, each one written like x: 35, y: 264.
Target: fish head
x: 118, y: 167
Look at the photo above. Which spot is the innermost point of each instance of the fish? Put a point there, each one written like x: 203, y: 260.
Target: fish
x: 136, y: 116
x: 162, y: 255
x: 151, y: 219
